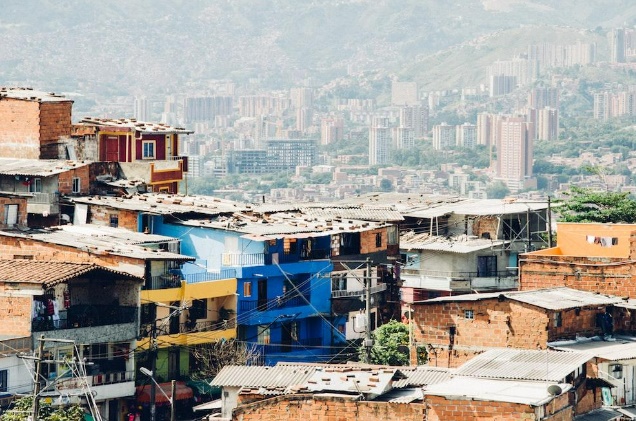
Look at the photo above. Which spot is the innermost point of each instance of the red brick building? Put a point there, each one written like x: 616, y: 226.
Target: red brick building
x: 591, y: 257
x: 32, y: 123
x: 455, y: 329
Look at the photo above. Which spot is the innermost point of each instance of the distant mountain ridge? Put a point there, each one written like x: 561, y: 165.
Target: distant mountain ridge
x: 145, y: 46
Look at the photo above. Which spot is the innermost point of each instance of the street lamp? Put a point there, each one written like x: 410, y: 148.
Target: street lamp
x: 170, y: 398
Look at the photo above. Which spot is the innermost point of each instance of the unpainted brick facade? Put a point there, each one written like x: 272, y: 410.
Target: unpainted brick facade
x: 26, y: 125
x: 443, y: 409
x: 15, y: 310
x: 326, y: 408
x: 454, y: 337
x: 5, y: 203
x: 117, y: 218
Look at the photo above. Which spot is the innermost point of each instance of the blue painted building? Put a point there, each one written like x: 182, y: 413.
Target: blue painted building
x: 284, y: 282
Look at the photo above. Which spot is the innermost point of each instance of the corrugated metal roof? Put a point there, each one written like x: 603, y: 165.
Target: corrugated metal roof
x: 96, y: 239
x: 562, y: 298
x: 559, y: 298
x: 51, y: 273
x: 370, y: 382
x: 402, y: 395
x: 629, y: 411
x: 620, y: 348
x: 257, y: 376
x: 602, y: 414
x: 422, y: 376
x: 38, y: 167
x: 517, y: 364
x: 523, y: 392
x: 131, y: 123
x: 333, y: 210
x: 30, y: 94
x: 166, y: 204
x: 456, y: 244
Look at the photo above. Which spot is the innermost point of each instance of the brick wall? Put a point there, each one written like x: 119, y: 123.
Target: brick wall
x: 15, y: 313
x: 326, y: 408
x: 19, y: 129
x: 498, y: 323
x: 611, y: 276
x: 55, y: 121
x: 368, y: 241
x: 65, y: 180
x: 442, y: 409
x: 22, y: 210
x: 486, y: 224
x: 101, y: 215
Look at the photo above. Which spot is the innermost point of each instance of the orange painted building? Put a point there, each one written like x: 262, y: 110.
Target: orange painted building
x: 591, y: 257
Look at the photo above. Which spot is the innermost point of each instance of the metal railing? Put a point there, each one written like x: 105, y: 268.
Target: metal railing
x: 272, y: 304
x: 98, y: 379
x: 87, y: 316
x: 194, y: 278
x: 11, y: 346
x: 302, y: 344
x: 43, y: 198
x: 190, y: 327
x: 243, y: 259
x: 167, y: 280
x: 461, y: 274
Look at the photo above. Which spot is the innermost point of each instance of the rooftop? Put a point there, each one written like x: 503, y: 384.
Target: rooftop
x: 620, y: 348
x: 29, y: 94
x: 134, y: 124
x: 558, y: 298
x: 38, y: 167
x: 51, y: 273
x: 106, y: 240
x: 517, y: 364
x: 457, y: 244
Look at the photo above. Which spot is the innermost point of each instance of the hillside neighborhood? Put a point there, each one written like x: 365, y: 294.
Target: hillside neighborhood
x: 114, y: 282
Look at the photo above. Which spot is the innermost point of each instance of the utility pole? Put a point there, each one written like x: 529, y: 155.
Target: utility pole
x: 36, y: 386
x: 172, y: 399
x: 368, y: 342
x: 153, y: 369
x: 549, y: 223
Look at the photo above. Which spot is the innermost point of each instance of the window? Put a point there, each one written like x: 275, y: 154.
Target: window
x: 247, y: 289
x: 557, y: 319
x: 10, y: 215
x: 148, y: 148
x: 199, y: 309
x: 263, y: 334
x: 76, y: 185
x: 486, y: 266
x: 114, y: 220
x: 392, y: 235
x: 616, y: 371
x: 469, y: 314
x: 3, y: 380
x: 378, y: 239
x: 35, y: 185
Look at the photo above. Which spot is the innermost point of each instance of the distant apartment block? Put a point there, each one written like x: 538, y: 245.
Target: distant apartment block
x: 380, y: 141
x: 616, y: 39
x: 301, y: 97
x: 543, y: 97
x: 514, y: 152
x: 404, y: 137
x: 549, y: 55
x: 287, y: 154
x: 404, y: 93
x: 207, y: 108
x: 526, y: 71
x: 609, y: 105
x: 331, y: 130
x: 466, y: 135
x: 416, y: 118
x: 257, y: 105
x: 444, y: 136
x: 246, y: 161
x: 502, y: 85
x: 141, y: 109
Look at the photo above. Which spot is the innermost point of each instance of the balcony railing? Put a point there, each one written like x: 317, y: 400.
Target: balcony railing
x: 42, y: 198
x: 165, y: 281
x: 95, y: 380
x: 357, y: 293
x: 87, y: 316
x: 295, y: 301
x: 243, y: 259
x: 461, y: 274
x: 190, y: 327
x: 194, y: 278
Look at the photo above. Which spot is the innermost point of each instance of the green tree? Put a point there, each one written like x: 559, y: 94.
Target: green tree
x: 497, y: 190
x: 386, y: 185
x: 585, y: 205
x: 388, y: 339
x: 21, y: 411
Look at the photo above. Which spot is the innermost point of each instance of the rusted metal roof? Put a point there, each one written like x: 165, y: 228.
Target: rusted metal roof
x: 518, y: 364
x: 51, y: 273
x: 134, y: 124
x: 38, y: 167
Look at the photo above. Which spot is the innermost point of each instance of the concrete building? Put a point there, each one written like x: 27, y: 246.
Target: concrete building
x: 444, y: 137
x: 331, y: 130
x: 616, y: 39
x: 380, y: 141
x: 466, y: 135
x: 502, y: 85
x: 515, y: 153
x: 415, y: 117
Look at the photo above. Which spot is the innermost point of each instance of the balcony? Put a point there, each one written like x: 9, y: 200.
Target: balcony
x: 98, y: 379
x: 43, y: 203
x: 203, y: 331
x: 87, y: 316
x: 460, y: 280
x: 243, y: 259
x: 15, y: 345
x: 273, y: 304
x: 302, y: 344
x: 194, y: 278
x: 165, y: 281
x: 357, y: 293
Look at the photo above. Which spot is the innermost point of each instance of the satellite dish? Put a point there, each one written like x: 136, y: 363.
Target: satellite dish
x: 555, y: 390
